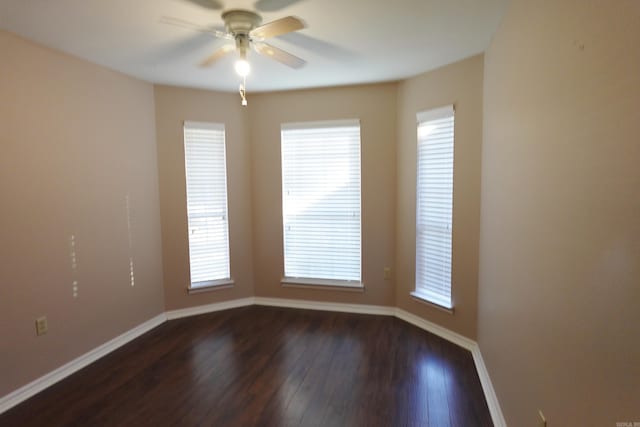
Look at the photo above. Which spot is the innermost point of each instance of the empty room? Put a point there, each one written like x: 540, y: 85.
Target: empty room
x: 320, y: 213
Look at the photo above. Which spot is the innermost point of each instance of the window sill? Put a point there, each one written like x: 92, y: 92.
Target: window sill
x: 322, y: 284
x: 214, y: 285
x: 421, y: 298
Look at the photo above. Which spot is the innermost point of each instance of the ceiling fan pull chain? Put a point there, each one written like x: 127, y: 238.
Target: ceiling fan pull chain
x: 243, y: 91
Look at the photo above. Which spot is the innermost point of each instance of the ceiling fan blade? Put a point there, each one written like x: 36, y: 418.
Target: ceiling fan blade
x: 278, y: 27
x: 273, y: 5
x: 217, y: 55
x: 208, y: 4
x: 279, y: 55
x: 323, y: 48
x: 181, y: 23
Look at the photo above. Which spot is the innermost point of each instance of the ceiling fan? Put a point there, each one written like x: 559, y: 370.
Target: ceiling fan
x: 244, y: 29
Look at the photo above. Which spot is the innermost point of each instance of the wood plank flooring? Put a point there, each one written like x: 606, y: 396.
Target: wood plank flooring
x: 263, y: 366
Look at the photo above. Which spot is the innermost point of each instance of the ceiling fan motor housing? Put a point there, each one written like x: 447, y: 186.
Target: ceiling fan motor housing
x: 241, y: 22
x: 244, y: 27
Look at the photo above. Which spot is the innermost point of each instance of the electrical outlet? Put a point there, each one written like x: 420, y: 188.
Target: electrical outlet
x: 542, y: 421
x: 387, y: 273
x: 41, y: 325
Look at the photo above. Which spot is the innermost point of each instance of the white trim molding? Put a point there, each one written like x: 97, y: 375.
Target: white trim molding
x: 47, y: 380
x: 25, y: 392
x: 487, y: 388
x: 209, y: 308
x: 380, y: 310
x: 438, y: 330
x: 323, y: 283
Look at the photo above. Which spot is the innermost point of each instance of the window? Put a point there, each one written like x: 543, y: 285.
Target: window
x: 321, y: 203
x: 434, y: 205
x: 205, y: 165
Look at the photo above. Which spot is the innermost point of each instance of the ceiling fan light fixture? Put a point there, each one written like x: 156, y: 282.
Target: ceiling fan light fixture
x: 243, y: 27
x: 242, y: 67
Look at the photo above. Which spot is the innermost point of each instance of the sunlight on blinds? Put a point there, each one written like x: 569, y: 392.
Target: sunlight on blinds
x: 434, y: 205
x: 321, y: 200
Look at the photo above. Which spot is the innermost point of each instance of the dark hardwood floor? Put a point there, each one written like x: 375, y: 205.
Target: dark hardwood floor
x: 262, y: 366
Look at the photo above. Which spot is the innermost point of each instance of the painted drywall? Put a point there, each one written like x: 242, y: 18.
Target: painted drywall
x: 173, y: 107
x: 77, y: 142
x: 559, y: 317
x: 459, y: 84
x: 375, y: 107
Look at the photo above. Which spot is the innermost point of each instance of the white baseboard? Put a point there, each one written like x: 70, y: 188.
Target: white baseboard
x: 438, y: 330
x: 487, y: 388
x: 51, y: 378
x: 209, y: 308
x: 326, y: 306
x: 26, y: 391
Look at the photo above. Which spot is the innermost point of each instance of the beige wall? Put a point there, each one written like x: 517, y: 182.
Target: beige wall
x: 375, y: 106
x: 559, y: 311
x: 459, y: 84
x: 76, y: 140
x: 174, y: 106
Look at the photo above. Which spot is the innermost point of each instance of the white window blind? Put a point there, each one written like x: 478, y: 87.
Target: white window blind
x: 434, y: 205
x: 321, y: 200
x: 204, y: 148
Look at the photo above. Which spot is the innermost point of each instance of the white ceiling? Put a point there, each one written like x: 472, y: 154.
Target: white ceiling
x: 346, y: 42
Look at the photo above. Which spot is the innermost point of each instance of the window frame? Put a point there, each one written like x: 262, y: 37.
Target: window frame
x: 218, y: 282
x: 321, y: 282
x: 421, y: 292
